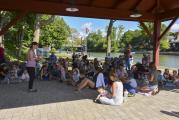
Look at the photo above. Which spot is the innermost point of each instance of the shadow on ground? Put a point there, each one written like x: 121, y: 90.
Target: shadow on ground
x: 16, y: 95
x: 171, y: 89
x: 172, y: 113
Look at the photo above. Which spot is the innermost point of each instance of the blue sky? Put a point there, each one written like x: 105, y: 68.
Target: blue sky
x: 80, y: 24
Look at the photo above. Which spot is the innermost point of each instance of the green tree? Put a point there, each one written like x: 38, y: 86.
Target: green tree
x: 116, y: 36
x: 96, y: 42
x: 150, y: 27
x: 55, y: 34
x: 164, y: 45
x: 108, y: 36
x: 40, y: 21
x: 19, y: 36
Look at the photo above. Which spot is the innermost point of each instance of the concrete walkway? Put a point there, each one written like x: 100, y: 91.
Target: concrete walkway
x: 57, y: 101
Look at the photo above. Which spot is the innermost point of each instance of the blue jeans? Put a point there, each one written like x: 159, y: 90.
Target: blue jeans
x: 127, y: 62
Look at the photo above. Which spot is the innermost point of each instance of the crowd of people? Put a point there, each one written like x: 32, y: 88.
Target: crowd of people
x: 114, y: 79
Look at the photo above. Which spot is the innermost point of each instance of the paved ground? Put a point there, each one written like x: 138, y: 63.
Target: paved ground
x: 57, y: 101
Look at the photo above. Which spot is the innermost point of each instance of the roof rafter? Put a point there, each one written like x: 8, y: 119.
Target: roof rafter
x: 168, y: 28
x: 91, y: 2
x: 136, y: 4
x: 168, y: 14
x: 59, y: 9
x: 145, y: 29
x: 151, y: 9
x: 116, y: 3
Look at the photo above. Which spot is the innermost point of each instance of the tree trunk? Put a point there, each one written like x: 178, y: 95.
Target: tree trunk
x: 38, y: 24
x: 109, y: 38
x: 37, y: 29
x: 20, y: 40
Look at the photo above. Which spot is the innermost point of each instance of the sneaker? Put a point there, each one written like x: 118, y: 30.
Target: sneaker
x: 131, y: 95
x: 32, y: 90
x: 97, y: 101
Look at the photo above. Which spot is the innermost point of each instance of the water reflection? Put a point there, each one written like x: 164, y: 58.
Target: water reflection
x: 170, y: 61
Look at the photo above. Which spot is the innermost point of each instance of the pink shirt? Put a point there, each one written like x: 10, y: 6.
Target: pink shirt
x: 31, y: 62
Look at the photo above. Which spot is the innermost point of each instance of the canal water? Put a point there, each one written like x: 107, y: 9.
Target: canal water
x: 170, y: 61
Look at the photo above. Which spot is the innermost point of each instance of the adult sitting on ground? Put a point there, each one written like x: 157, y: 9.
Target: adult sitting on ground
x: 98, y: 81
x: 116, y: 91
x: 152, y: 87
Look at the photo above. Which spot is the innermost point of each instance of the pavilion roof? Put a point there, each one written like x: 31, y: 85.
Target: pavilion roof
x: 105, y: 9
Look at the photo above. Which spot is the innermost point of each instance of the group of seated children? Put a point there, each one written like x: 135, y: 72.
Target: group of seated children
x: 143, y: 77
x: 13, y: 72
x: 167, y: 79
x: 56, y: 70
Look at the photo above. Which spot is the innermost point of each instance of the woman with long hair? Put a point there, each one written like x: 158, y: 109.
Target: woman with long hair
x: 31, y: 64
x: 116, y: 91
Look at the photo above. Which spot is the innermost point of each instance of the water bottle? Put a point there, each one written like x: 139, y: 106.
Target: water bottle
x: 125, y: 95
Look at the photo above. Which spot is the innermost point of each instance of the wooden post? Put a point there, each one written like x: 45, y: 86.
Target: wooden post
x: 145, y: 28
x: 156, y: 41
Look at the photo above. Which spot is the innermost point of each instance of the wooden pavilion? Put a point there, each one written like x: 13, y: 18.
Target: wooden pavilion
x: 155, y: 11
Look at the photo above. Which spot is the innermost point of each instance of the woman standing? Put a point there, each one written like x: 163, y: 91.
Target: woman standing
x: 116, y: 91
x: 31, y: 64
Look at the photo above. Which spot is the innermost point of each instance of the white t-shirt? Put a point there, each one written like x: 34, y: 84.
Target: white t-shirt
x: 100, y: 81
x: 118, y: 99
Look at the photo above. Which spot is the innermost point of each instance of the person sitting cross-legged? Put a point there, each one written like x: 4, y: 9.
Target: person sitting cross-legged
x: 152, y: 87
x: 116, y: 97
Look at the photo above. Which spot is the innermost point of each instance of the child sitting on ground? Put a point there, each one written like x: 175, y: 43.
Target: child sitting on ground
x: 175, y: 78
x: 75, y: 76
x: 61, y: 69
x: 12, y: 75
x: 102, y: 93
x: 44, y: 74
x: 129, y: 85
x: 160, y: 78
x: 167, y: 75
x: 25, y: 76
x: 54, y: 73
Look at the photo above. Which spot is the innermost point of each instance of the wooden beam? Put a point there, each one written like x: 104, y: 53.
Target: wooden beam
x: 91, y: 2
x: 136, y: 4
x: 168, y: 14
x: 145, y: 28
x: 84, y: 11
x: 153, y: 7
x: 116, y: 3
x: 168, y: 28
x: 12, y: 22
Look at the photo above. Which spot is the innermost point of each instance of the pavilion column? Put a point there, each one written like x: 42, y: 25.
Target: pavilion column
x: 156, y: 41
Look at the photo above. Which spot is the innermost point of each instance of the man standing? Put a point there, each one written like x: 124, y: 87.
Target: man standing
x: 127, y: 55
